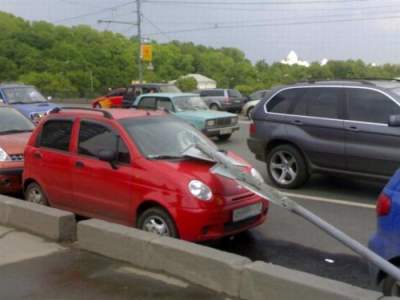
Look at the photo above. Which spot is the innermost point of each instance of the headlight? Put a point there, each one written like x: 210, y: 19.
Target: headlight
x: 3, y: 155
x: 210, y: 123
x: 200, y: 190
x: 256, y: 175
x: 234, y: 120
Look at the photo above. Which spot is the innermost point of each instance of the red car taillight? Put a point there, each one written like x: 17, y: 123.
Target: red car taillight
x: 252, y: 128
x: 383, y: 205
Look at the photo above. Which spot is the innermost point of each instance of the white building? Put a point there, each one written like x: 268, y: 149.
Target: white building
x: 203, y: 82
x: 293, y: 59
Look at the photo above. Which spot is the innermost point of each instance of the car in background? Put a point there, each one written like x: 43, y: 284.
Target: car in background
x: 27, y: 99
x: 223, y: 99
x: 15, y: 130
x: 386, y: 240
x: 254, y: 99
x: 125, y: 97
x: 337, y: 127
x: 191, y: 108
x: 133, y: 167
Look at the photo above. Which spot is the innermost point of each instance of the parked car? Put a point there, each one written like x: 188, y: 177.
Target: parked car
x: 223, y: 99
x: 15, y: 130
x: 254, y: 99
x: 128, y: 166
x: 386, y: 241
x: 342, y: 127
x: 125, y: 97
x: 191, y: 108
x: 27, y: 99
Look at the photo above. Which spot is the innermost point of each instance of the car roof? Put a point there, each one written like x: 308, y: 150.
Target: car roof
x: 13, y: 85
x: 115, y: 113
x: 350, y: 82
x: 168, y: 95
x: 152, y: 84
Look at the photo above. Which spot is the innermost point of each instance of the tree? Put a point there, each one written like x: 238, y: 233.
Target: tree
x: 186, y: 84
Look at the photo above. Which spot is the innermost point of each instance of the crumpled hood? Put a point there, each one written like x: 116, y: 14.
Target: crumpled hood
x: 14, y: 143
x: 196, y: 169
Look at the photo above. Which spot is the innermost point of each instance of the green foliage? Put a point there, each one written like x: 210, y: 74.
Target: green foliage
x: 80, y: 61
x: 186, y: 84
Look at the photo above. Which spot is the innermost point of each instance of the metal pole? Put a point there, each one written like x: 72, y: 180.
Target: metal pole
x: 139, y: 34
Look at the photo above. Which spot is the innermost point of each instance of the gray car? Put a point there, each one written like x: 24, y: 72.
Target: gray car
x: 344, y: 127
x: 223, y: 99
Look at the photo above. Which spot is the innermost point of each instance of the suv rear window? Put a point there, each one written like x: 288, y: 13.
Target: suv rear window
x: 234, y: 93
x: 286, y: 99
x: 56, y: 134
x: 324, y: 102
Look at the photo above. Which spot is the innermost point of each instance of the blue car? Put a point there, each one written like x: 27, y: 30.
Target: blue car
x: 25, y: 98
x: 386, y: 241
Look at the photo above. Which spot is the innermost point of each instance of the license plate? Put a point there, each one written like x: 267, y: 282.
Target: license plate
x: 225, y: 131
x: 247, y: 212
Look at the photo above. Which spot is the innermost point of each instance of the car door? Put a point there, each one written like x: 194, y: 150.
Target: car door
x: 371, y: 145
x: 101, y: 190
x: 147, y: 103
x: 165, y: 104
x: 54, y: 164
x: 315, y: 124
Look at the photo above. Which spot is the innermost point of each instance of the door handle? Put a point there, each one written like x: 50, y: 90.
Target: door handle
x: 297, y: 122
x: 79, y: 165
x: 37, y: 155
x: 352, y: 128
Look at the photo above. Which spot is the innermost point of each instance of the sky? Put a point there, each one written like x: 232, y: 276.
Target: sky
x: 263, y: 29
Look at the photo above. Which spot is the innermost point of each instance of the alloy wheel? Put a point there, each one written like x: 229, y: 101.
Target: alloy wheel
x: 157, y: 225
x: 35, y: 195
x: 283, y: 167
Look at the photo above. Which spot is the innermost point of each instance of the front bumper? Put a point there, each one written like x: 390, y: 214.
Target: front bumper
x: 220, y: 130
x: 10, y: 180
x: 205, y: 224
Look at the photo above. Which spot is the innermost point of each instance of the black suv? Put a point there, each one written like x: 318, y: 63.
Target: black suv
x: 346, y: 127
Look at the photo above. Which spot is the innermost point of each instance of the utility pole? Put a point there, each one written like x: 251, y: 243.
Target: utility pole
x: 139, y: 34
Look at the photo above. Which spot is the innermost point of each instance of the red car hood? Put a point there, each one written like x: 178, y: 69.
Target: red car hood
x: 14, y: 143
x: 196, y: 169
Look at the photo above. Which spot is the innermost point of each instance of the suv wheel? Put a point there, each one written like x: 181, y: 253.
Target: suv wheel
x: 391, y: 287
x: 158, y: 221
x: 35, y: 194
x: 214, y: 107
x: 286, y: 167
x: 224, y: 137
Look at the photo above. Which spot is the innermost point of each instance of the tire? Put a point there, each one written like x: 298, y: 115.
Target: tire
x: 286, y: 167
x: 249, y: 112
x: 34, y: 194
x: 158, y: 221
x: 224, y: 137
x: 389, y: 287
x: 214, y: 107
x: 97, y: 106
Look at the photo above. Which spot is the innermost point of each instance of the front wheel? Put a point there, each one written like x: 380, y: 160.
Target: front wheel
x: 286, y: 167
x: 158, y: 221
x: 97, y: 106
x: 214, y: 107
x: 224, y: 137
x: 35, y: 194
x: 391, y: 287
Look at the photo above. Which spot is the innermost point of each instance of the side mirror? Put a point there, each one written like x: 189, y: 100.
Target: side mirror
x: 394, y: 121
x: 108, y: 156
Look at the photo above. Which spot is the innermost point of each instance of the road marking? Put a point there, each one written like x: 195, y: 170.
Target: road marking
x: 330, y: 200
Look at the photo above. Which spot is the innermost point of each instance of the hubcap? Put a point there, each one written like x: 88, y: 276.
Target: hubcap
x: 35, y: 196
x: 283, y: 167
x: 156, y: 225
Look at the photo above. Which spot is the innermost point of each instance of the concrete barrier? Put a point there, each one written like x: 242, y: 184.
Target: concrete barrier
x: 219, y: 271
x: 47, y: 222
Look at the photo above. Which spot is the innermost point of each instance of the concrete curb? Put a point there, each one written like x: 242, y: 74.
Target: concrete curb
x: 219, y: 271
x: 53, y: 224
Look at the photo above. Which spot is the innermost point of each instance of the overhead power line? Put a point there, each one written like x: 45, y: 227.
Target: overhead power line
x: 260, y: 3
x: 156, y: 27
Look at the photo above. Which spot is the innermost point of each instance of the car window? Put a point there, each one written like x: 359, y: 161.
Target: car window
x: 204, y: 93
x: 215, y: 93
x: 147, y: 103
x: 56, y: 134
x: 164, y: 103
x: 94, y: 137
x: 324, y: 102
x: 234, y: 93
x: 284, y: 100
x: 370, y: 106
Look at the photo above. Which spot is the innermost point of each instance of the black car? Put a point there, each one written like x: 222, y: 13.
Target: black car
x: 345, y: 127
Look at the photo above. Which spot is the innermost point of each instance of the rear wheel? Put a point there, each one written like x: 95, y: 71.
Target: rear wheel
x: 158, y: 221
x: 214, y: 107
x: 224, y: 137
x: 97, y: 106
x: 35, y: 194
x: 286, y: 167
x: 391, y: 287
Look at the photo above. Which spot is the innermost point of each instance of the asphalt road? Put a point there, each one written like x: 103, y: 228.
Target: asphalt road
x: 288, y: 240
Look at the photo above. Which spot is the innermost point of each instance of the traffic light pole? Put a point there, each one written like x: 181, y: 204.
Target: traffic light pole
x: 139, y: 34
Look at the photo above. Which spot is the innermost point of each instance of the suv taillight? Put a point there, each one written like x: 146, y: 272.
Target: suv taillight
x: 252, y: 128
x: 227, y: 99
x: 383, y: 205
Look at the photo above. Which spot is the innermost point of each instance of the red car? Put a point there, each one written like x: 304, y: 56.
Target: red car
x: 15, y: 130
x: 127, y: 166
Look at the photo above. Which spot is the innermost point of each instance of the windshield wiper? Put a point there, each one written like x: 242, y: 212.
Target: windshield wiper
x: 165, y: 156
x: 19, y: 102
x: 15, y: 131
